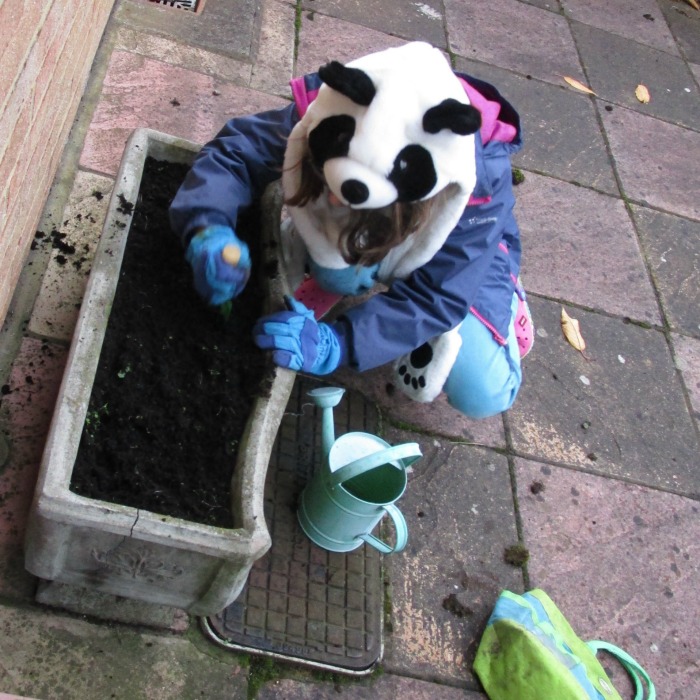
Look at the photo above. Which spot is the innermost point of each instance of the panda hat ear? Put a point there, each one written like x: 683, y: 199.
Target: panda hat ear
x: 351, y: 82
x: 460, y: 118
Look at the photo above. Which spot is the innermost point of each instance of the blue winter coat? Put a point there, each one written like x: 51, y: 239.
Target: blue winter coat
x: 475, y: 271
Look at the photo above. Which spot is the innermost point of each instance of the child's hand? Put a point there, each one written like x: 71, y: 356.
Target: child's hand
x: 298, y: 341
x: 220, y: 262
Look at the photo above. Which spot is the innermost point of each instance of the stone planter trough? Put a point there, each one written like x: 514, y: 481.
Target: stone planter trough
x: 118, y: 549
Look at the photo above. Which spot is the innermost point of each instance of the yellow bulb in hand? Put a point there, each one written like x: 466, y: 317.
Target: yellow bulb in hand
x: 231, y: 254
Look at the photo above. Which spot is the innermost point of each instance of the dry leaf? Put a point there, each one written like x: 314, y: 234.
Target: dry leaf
x: 571, y: 331
x: 642, y: 94
x: 694, y: 4
x: 579, y: 86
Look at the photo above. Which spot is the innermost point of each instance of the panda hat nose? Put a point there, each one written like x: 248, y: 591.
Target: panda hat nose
x: 354, y: 191
x: 357, y: 185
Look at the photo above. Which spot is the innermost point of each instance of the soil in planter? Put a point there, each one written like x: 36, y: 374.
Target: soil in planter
x: 176, y: 380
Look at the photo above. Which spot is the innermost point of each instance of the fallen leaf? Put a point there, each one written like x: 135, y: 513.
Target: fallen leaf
x: 642, y: 94
x: 571, y: 331
x: 694, y: 4
x: 578, y: 85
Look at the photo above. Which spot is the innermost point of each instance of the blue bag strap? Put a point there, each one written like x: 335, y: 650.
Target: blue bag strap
x: 632, y: 667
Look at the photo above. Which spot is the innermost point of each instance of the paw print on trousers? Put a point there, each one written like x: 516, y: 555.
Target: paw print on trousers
x: 418, y: 360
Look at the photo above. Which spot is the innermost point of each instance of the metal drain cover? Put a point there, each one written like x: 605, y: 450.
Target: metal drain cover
x: 302, y: 603
x: 191, y: 5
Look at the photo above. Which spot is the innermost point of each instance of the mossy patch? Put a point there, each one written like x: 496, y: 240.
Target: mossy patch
x: 516, y: 555
x: 261, y: 670
x: 518, y: 176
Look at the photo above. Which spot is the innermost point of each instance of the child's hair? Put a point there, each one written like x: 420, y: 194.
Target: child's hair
x: 370, y: 233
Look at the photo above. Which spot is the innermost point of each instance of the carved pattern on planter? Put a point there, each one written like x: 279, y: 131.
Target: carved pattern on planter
x: 137, y: 563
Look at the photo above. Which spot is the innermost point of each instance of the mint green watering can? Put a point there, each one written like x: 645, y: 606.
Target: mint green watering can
x: 360, y: 480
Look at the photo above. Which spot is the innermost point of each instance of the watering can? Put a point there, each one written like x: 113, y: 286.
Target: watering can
x: 361, y: 478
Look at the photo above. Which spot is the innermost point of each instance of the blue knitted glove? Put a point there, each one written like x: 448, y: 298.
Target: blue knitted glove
x: 297, y: 340
x: 216, y: 280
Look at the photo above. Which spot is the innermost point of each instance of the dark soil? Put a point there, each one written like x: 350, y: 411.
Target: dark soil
x: 176, y: 379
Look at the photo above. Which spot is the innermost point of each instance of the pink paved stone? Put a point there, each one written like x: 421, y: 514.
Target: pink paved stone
x: 33, y: 386
x: 56, y: 309
x: 623, y: 564
x: 190, y: 57
x: 386, y: 687
x: 17, y: 482
x: 652, y: 159
x: 688, y: 361
x: 273, y: 69
x: 140, y: 92
x: 513, y: 35
x: 437, y: 417
x: 460, y: 516
x: 626, y: 19
x: 580, y: 245
x: 326, y: 39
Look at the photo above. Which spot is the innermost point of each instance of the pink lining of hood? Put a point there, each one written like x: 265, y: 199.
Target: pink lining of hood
x: 302, y: 97
x: 492, y: 128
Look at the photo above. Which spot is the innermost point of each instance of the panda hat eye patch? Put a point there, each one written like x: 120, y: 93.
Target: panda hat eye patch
x: 331, y: 138
x: 413, y: 173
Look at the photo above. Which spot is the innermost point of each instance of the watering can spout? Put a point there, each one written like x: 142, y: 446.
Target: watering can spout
x: 326, y: 398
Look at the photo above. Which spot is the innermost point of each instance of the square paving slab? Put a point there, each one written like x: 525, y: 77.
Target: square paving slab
x: 620, y: 413
x: 672, y: 248
x: 616, y: 65
x: 580, y: 245
x: 685, y: 27
x: 141, y: 92
x: 415, y: 21
x: 537, y: 42
x: 228, y: 27
x: 303, y: 603
x: 73, y: 242
x: 460, y: 514
x: 623, y: 564
x: 652, y: 159
x: 323, y: 39
x: 687, y: 352
x: 640, y: 20
x: 561, y: 135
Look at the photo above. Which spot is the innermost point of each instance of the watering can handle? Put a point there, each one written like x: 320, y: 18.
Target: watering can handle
x: 409, y: 452
x: 401, y: 533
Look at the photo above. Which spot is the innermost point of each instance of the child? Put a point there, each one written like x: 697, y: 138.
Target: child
x: 395, y: 170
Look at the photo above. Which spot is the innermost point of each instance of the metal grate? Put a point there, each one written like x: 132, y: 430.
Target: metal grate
x: 190, y: 5
x: 301, y: 603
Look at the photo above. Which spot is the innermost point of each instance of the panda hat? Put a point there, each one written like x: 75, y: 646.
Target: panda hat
x: 392, y: 126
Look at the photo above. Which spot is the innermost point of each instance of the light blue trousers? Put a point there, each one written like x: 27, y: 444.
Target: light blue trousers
x: 486, y: 376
